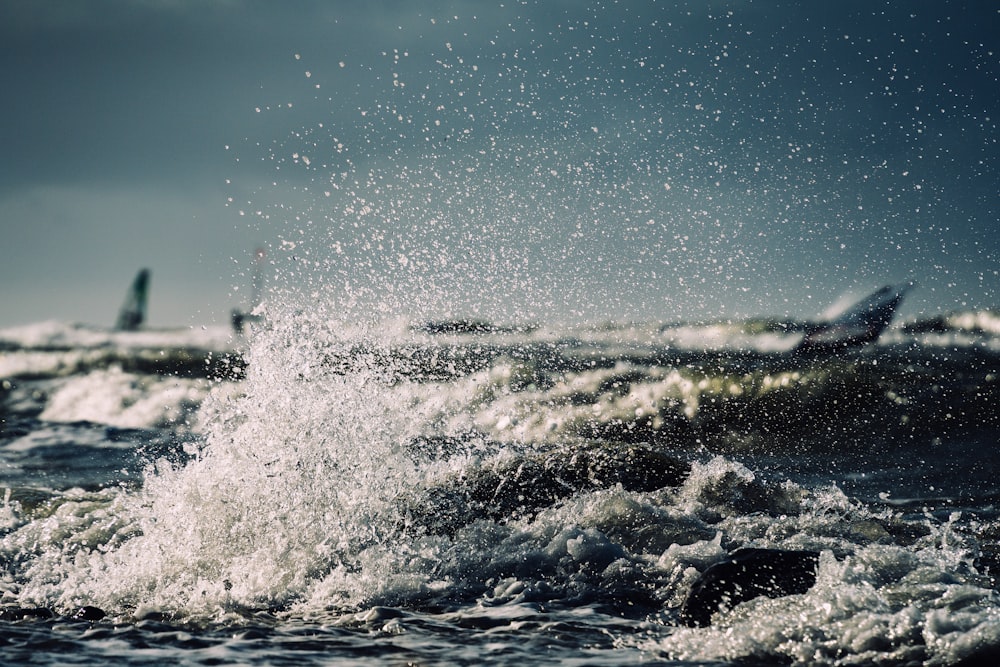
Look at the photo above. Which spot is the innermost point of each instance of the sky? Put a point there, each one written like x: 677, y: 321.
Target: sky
x: 508, y: 160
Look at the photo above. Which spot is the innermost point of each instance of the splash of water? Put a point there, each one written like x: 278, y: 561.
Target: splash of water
x: 293, y: 479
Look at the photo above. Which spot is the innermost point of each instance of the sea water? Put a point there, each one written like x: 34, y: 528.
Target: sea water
x: 276, y: 511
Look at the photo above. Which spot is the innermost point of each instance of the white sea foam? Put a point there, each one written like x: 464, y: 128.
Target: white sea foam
x: 126, y: 400
x: 880, y: 604
x: 53, y: 334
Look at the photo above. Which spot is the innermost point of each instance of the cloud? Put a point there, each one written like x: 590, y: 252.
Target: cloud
x: 546, y: 130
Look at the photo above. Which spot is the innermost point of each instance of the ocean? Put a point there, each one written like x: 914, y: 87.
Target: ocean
x: 317, y: 493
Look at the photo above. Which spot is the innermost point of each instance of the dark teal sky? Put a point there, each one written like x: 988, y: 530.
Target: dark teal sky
x: 632, y: 160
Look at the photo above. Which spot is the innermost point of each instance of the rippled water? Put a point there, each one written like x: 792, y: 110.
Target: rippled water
x: 498, y: 497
